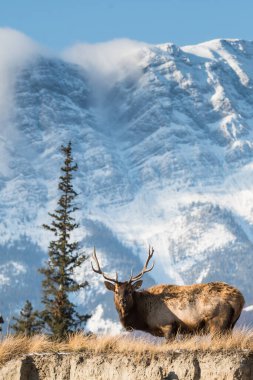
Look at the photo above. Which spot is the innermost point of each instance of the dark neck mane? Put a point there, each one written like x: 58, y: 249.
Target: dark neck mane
x: 134, y: 319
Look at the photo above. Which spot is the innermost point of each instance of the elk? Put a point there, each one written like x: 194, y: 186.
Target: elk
x: 165, y: 310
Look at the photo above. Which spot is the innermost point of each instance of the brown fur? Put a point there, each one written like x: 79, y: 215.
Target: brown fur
x: 164, y: 310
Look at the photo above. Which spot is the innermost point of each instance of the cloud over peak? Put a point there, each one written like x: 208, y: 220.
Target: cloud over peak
x: 106, y: 61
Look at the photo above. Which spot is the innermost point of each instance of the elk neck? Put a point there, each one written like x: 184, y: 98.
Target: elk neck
x: 132, y: 318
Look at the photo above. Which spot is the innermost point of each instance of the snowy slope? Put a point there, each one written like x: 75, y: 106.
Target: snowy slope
x: 163, y: 137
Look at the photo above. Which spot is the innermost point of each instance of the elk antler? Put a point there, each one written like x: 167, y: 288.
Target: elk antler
x: 144, y: 270
x: 99, y: 271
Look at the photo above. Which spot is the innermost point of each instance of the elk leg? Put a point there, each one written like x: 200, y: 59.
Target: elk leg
x: 215, y: 328
x: 222, y: 323
x: 169, y: 331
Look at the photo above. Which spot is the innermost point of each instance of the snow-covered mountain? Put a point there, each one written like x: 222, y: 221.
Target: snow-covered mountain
x: 163, y: 136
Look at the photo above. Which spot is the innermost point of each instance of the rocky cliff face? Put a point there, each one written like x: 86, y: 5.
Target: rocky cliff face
x: 163, y: 139
x: 172, y: 366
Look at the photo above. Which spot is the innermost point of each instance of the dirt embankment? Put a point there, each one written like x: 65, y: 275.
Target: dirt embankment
x: 170, y: 366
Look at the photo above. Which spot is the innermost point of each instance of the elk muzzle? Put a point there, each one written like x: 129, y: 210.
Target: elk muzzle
x: 123, y: 303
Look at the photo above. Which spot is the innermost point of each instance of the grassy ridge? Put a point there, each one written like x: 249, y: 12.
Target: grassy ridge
x: 12, y: 347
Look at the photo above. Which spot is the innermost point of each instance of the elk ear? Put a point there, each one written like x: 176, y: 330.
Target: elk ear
x: 137, y: 284
x: 109, y: 286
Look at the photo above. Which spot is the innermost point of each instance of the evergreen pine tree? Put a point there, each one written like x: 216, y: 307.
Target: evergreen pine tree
x: 59, y: 313
x: 29, y: 322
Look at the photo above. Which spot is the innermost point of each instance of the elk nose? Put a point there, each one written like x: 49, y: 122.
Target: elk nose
x: 123, y: 302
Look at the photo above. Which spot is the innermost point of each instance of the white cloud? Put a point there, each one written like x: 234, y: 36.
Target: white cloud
x: 99, y: 325
x: 15, y: 50
x: 106, y: 62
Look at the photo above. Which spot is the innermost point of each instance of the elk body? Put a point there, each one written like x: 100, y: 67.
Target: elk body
x: 164, y: 310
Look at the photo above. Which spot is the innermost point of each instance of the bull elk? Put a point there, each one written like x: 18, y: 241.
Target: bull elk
x: 164, y: 310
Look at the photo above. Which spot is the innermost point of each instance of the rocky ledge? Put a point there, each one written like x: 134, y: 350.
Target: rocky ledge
x: 236, y: 365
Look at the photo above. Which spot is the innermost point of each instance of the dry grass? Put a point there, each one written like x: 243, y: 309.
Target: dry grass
x: 12, y: 347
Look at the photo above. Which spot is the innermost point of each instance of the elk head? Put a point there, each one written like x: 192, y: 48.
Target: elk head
x: 124, y: 291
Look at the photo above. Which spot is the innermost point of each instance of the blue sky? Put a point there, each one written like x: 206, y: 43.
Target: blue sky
x: 60, y: 23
